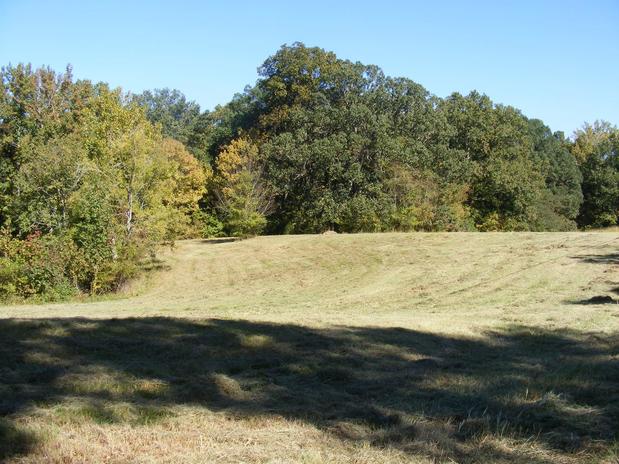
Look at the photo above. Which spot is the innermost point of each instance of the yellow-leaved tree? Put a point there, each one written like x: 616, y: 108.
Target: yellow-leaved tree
x: 189, y: 179
x: 243, y: 199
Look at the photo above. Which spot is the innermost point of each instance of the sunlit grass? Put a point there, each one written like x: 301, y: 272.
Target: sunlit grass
x: 361, y: 348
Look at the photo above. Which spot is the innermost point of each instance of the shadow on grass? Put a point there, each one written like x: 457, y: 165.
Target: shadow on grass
x: 219, y: 241
x: 608, y: 259
x: 423, y: 393
x: 595, y: 300
x: 153, y: 263
x: 13, y: 441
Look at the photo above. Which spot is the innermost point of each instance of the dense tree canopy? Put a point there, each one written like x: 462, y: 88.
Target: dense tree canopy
x: 344, y: 147
x: 88, y: 182
x: 596, y: 148
x: 92, y: 179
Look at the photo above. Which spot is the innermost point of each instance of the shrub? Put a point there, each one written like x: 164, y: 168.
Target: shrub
x: 207, y: 225
x: 47, y: 266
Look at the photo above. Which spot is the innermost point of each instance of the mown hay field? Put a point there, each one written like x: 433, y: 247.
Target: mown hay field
x: 378, y: 348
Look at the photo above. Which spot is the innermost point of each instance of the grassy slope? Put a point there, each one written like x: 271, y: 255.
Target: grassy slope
x: 335, y: 348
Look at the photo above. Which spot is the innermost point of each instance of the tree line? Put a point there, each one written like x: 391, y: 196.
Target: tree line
x: 92, y: 179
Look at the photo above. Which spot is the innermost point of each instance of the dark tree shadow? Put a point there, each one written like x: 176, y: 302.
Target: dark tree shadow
x: 14, y: 441
x: 557, y: 389
x: 219, y: 241
x: 595, y: 300
x: 608, y: 258
x: 153, y: 263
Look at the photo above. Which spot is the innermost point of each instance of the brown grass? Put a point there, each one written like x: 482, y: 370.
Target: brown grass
x: 362, y: 348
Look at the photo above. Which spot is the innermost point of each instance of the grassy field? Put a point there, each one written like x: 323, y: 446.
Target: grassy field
x: 370, y: 348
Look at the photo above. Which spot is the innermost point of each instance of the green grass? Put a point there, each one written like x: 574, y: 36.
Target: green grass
x: 340, y: 348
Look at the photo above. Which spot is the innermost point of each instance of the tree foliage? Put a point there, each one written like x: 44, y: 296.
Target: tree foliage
x: 332, y: 135
x: 93, y: 179
x: 596, y: 147
x: 89, y: 186
x: 241, y: 195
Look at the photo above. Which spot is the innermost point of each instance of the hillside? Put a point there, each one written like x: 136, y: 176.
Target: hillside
x: 380, y: 279
x: 496, y: 347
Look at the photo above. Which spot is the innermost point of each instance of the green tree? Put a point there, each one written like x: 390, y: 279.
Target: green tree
x: 597, y: 148
x: 89, y: 188
x: 45, y: 183
x: 35, y: 106
x: 506, y: 184
x: 560, y: 202
x: 242, y: 198
x: 177, y: 116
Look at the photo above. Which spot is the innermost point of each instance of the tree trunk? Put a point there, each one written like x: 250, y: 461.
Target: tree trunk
x: 129, y: 223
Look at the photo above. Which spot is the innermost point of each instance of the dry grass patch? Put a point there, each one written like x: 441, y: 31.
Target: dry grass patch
x: 346, y: 349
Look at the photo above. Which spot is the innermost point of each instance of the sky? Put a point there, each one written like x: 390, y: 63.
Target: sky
x: 555, y: 60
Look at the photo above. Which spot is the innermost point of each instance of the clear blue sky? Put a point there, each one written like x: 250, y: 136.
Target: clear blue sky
x: 555, y: 60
